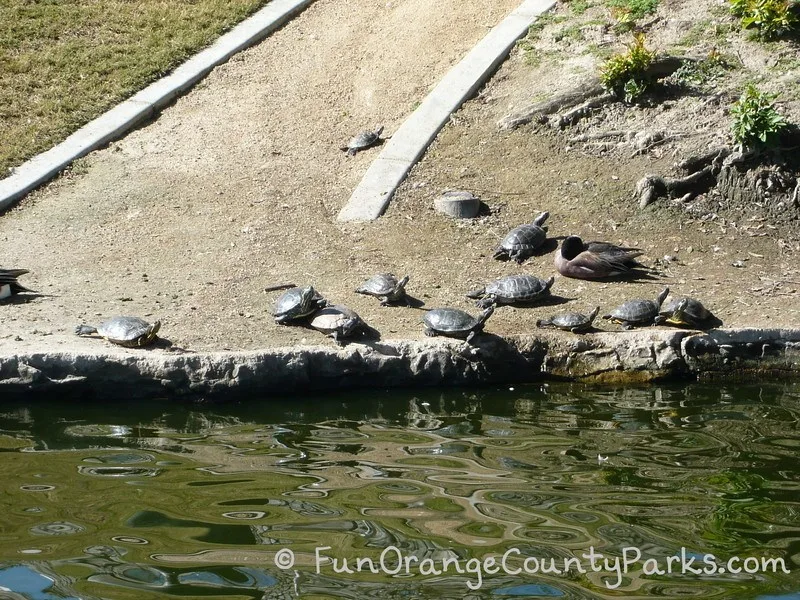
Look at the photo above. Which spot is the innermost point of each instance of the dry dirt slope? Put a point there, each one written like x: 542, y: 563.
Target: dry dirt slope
x: 237, y: 187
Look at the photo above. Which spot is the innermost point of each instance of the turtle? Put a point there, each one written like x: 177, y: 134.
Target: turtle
x: 296, y: 303
x: 513, y: 289
x: 8, y: 282
x: 453, y: 322
x: 684, y: 312
x: 570, y: 321
x: 336, y: 321
x: 362, y: 141
x: 521, y: 242
x: 637, y: 312
x: 386, y: 288
x: 131, y: 332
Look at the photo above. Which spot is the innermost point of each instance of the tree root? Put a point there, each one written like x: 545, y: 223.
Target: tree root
x: 652, y: 187
x: 727, y: 170
x: 582, y: 100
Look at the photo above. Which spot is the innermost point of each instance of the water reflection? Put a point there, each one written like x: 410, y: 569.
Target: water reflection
x: 194, y: 501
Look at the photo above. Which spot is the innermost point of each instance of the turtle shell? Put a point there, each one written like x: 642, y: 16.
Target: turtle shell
x: 363, y: 140
x: 129, y: 331
x: 692, y: 313
x: 638, y: 312
x: 296, y: 303
x: 570, y: 321
x: 521, y: 242
x: 634, y: 311
x: 337, y: 321
x: 516, y: 288
x: 384, y: 285
x: 451, y: 321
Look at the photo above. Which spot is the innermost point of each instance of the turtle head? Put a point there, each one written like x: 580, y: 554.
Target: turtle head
x: 487, y: 312
x: 593, y: 314
x: 549, y: 283
x: 307, y: 295
x: 662, y: 296
x: 571, y: 247
x: 148, y: 337
x: 402, y: 283
x: 476, y: 294
x: 85, y: 330
x: 539, y: 221
x: 378, y: 131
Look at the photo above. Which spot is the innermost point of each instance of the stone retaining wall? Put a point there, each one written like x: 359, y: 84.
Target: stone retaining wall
x: 624, y: 357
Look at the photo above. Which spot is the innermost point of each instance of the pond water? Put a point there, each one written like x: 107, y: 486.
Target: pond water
x: 551, y: 491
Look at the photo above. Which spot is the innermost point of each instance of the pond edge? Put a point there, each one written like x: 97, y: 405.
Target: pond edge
x: 630, y: 357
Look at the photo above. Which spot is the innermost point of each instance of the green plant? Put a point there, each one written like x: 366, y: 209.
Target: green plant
x: 635, y: 8
x: 579, y: 7
x: 756, y: 122
x: 626, y: 74
x: 772, y: 18
x: 703, y: 71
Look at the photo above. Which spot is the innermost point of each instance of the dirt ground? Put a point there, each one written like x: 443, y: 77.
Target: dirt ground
x: 237, y: 185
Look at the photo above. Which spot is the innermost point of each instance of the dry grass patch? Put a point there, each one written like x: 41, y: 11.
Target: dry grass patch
x: 64, y: 62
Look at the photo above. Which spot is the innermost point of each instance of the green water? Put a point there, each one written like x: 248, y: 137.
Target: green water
x: 190, y: 501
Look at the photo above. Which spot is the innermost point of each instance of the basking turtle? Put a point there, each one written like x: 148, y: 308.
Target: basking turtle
x: 637, y: 312
x: 297, y: 303
x: 684, y: 312
x: 386, y: 288
x: 336, y: 321
x: 362, y: 141
x: 513, y: 289
x: 131, y: 332
x: 8, y: 282
x: 453, y: 322
x: 570, y: 321
x: 521, y: 242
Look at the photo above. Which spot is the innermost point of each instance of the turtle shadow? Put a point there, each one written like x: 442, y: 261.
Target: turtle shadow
x: 552, y: 300
x: 167, y: 345
x: 708, y: 324
x: 412, y: 302
x: 365, y: 334
x: 25, y: 297
x: 633, y: 276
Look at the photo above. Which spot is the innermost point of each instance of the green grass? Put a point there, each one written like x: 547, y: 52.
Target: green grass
x: 64, y: 62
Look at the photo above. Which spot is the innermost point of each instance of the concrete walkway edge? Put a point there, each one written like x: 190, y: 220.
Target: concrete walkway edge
x: 120, y: 119
x: 409, y: 142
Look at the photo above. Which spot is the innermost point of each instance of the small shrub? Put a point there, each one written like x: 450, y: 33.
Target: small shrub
x: 625, y: 74
x: 579, y: 7
x: 701, y: 72
x: 771, y: 18
x: 756, y: 122
x: 636, y: 8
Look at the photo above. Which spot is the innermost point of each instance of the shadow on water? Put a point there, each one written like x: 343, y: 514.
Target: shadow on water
x: 195, y: 500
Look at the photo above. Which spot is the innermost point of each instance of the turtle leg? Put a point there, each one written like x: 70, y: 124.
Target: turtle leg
x: 85, y: 330
x: 486, y: 301
x: 430, y: 332
x: 470, y: 337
